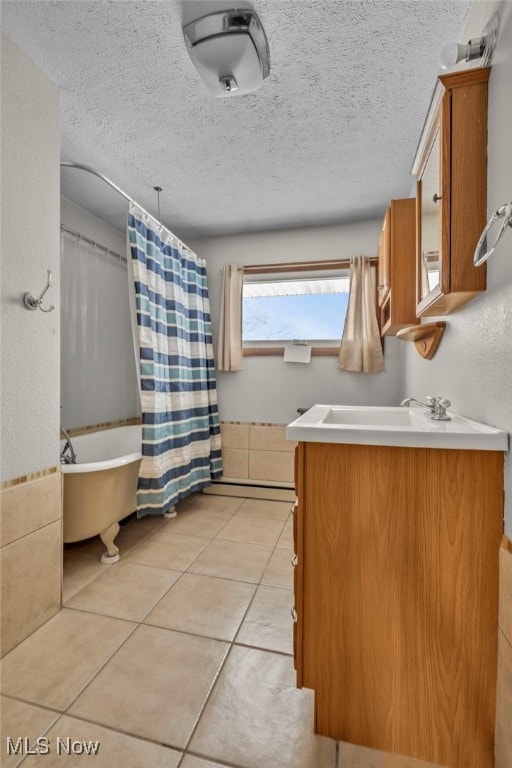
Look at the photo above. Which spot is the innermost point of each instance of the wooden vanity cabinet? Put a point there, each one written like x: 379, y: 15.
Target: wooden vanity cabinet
x: 396, y: 597
x: 397, y: 267
x: 451, y: 169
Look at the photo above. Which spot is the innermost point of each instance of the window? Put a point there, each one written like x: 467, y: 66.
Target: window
x: 311, y: 309
x: 306, y: 301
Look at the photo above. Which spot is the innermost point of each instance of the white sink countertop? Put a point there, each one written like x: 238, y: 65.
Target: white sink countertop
x: 394, y: 426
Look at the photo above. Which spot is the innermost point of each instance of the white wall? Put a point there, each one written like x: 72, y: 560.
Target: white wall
x: 268, y: 389
x: 80, y: 220
x: 473, y: 365
x: 30, y: 186
x: 98, y: 373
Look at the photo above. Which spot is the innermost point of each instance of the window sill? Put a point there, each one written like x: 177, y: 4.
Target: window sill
x: 279, y: 351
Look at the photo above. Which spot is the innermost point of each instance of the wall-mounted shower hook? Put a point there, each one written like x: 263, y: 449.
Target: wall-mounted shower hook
x: 34, y: 302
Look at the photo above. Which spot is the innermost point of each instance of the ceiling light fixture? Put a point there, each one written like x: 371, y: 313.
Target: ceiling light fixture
x: 477, y: 48
x: 230, y: 51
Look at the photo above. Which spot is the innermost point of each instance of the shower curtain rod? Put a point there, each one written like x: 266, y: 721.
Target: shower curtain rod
x: 107, y: 251
x: 94, y: 172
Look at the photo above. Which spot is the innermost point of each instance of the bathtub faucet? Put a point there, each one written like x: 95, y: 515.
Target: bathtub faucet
x: 66, y: 458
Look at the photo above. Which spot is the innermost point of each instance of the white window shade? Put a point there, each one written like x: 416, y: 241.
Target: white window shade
x: 296, y: 287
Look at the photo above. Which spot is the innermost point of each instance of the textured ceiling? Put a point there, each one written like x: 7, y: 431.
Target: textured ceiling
x: 330, y: 137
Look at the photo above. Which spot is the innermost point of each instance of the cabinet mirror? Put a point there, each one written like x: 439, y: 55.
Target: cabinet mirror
x: 429, y: 272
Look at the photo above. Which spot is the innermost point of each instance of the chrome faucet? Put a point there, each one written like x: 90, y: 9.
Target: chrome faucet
x: 66, y: 458
x: 436, y: 405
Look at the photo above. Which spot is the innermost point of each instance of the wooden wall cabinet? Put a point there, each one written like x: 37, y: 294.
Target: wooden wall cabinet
x: 397, y: 267
x: 451, y: 200
x: 396, y: 597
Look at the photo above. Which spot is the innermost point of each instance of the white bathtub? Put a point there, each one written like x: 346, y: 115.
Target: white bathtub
x: 101, y: 488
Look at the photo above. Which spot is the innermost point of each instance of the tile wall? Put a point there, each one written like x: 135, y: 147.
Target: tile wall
x: 78, y: 431
x: 504, y: 692
x: 30, y: 554
x: 256, y: 452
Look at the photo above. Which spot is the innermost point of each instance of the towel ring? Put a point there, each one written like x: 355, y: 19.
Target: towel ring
x: 482, y: 255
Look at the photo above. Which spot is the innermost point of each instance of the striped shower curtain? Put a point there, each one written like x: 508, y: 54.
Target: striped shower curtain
x: 180, y: 420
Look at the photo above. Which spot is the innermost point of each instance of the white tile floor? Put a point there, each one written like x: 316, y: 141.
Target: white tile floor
x: 179, y: 656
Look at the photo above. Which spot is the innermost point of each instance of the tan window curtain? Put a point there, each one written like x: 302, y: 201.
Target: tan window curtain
x: 361, y: 348
x: 229, y: 355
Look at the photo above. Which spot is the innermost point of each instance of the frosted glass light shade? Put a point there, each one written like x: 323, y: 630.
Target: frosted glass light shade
x: 229, y: 50
x: 477, y: 48
x: 232, y: 55
x: 451, y: 54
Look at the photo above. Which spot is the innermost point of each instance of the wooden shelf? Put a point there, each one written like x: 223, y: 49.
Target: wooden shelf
x: 426, y: 337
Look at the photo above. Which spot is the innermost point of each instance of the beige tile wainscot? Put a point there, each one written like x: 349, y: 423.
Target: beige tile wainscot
x: 31, y: 554
x: 252, y: 451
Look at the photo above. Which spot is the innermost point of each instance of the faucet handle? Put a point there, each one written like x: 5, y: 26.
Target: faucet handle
x: 438, y: 406
x: 437, y: 400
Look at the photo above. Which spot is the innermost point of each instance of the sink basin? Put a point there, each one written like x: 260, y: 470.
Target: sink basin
x: 377, y: 417
x: 394, y: 426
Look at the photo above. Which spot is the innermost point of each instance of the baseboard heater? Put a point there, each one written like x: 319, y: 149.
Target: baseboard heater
x: 283, y: 484
x: 261, y: 489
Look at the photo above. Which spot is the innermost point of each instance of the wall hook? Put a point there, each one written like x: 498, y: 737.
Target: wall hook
x: 34, y: 302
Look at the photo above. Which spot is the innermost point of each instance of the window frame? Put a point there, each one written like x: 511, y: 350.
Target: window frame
x: 298, y: 266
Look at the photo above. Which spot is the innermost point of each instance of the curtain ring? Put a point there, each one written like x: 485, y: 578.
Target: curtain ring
x: 481, y: 256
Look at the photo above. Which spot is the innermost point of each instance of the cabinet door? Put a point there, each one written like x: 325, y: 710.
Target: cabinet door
x: 451, y: 168
x: 400, y: 598
x: 398, y: 310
